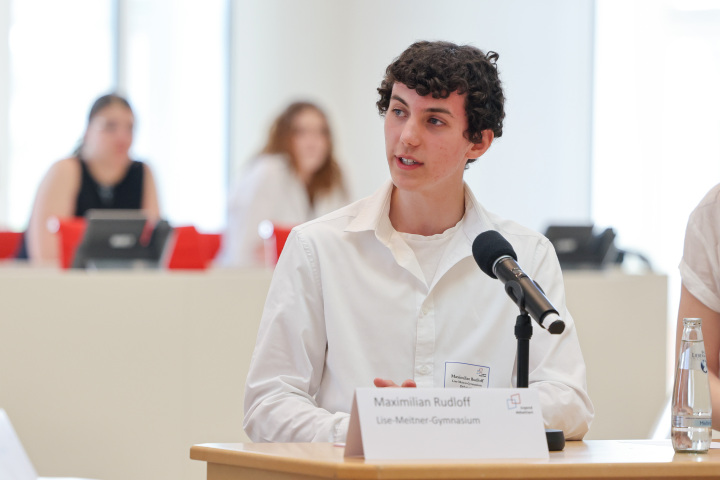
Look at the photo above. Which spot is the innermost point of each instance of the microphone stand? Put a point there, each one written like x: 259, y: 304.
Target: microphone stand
x: 523, y: 333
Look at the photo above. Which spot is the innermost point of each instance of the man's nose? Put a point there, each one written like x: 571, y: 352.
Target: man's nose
x: 410, y: 134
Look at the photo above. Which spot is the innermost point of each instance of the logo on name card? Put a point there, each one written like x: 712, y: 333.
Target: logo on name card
x: 515, y: 403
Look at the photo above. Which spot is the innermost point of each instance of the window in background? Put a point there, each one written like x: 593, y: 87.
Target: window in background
x: 62, y: 57
x: 4, y: 101
x: 174, y: 68
x: 656, y: 141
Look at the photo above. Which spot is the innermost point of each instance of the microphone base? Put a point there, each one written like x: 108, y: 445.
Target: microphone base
x: 555, y: 439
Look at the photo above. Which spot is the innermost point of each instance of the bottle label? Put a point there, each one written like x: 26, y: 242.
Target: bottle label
x: 691, y: 422
x: 697, y: 360
x: 694, y: 358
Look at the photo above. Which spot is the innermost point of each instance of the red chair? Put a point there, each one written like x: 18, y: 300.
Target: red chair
x: 192, y: 250
x: 9, y: 244
x: 70, y: 231
x: 274, y: 237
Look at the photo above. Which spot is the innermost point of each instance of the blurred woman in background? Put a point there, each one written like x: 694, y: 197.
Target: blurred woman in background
x: 100, y: 175
x: 295, y: 178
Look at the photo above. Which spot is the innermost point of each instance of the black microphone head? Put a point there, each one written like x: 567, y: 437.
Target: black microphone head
x: 556, y: 327
x: 488, y: 247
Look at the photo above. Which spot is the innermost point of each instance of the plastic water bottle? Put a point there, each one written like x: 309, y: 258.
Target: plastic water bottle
x: 691, y: 408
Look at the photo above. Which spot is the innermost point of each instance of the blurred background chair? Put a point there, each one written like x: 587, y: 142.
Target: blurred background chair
x: 192, y: 250
x: 69, y: 232
x: 9, y: 244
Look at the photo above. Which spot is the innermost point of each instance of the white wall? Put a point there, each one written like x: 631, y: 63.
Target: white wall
x: 4, y: 100
x: 55, y: 73
x: 173, y: 67
x: 656, y: 126
x: 171, y: 63
x: 336, y: 53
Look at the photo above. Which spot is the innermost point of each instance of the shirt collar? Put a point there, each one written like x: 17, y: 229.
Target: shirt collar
x: 374, y: 211
x: 375, y: 216
x: 477, y: 219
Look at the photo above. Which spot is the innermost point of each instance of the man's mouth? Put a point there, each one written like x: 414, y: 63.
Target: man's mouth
x: 408, y: 161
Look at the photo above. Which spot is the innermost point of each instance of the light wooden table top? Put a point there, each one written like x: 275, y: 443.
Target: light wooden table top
x: 599, y: 459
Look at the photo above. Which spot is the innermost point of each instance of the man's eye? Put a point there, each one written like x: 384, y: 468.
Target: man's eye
x: 397, y: 112
x: 436, y: 121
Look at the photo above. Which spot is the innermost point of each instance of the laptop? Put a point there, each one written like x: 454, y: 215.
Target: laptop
x: 121, y: 239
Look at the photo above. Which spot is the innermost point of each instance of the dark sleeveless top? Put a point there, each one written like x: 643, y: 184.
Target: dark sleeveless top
x: 126, y: 194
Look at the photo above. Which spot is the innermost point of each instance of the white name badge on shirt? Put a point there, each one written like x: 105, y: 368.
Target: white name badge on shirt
x: 446, y: 423
x: 466, y: 375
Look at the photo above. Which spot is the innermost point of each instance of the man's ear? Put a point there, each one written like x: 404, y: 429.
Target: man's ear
x: 478, y: 149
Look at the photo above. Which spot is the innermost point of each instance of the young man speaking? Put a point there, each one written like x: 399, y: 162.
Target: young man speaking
x: 386, y: 290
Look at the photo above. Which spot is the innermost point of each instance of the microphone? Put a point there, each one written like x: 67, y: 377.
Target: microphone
x: 496, y: 257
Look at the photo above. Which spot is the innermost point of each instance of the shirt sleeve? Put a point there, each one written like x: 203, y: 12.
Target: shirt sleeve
x: 288, y: 361
x: 557, y: 367
x: 700, y: 265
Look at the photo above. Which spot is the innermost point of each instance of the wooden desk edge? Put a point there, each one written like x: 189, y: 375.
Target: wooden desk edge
x: 214, y: 453
x: 358, y: 468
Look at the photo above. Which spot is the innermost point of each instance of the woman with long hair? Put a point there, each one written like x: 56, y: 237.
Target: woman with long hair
x: 295, y: 178
x: 99, y: 175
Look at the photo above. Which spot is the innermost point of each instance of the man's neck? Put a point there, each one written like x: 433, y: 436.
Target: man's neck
x: 424, y: 213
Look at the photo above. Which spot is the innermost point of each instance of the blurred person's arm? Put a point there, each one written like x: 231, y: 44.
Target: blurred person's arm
x: 267, y: 191
x: 691, y: 307
x: 150, y: 203
x: 56, y: 197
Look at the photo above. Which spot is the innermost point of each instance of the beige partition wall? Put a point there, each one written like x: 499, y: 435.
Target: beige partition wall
x: 622, y: 322
x: 114, y: 375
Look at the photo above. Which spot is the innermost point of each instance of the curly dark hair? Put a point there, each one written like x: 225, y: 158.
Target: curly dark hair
x: 441, y: 68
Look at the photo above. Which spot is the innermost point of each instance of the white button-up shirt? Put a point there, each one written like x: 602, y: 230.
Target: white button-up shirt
x: 349, y: 302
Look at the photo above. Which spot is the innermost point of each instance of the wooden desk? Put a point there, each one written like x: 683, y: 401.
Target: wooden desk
x: 593, y: 459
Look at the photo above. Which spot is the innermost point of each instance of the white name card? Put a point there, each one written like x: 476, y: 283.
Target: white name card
x: 446, y: 423
x: 14, y: 462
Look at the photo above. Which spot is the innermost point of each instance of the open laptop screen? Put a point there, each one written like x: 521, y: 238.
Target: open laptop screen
x: 121, y: 239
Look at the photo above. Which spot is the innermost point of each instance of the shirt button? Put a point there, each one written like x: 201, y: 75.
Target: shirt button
x: 424, y: 370
x: 425, y: 310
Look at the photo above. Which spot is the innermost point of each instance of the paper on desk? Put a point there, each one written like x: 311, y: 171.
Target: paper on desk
x: 715, y: 445
x: 14, y: 462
